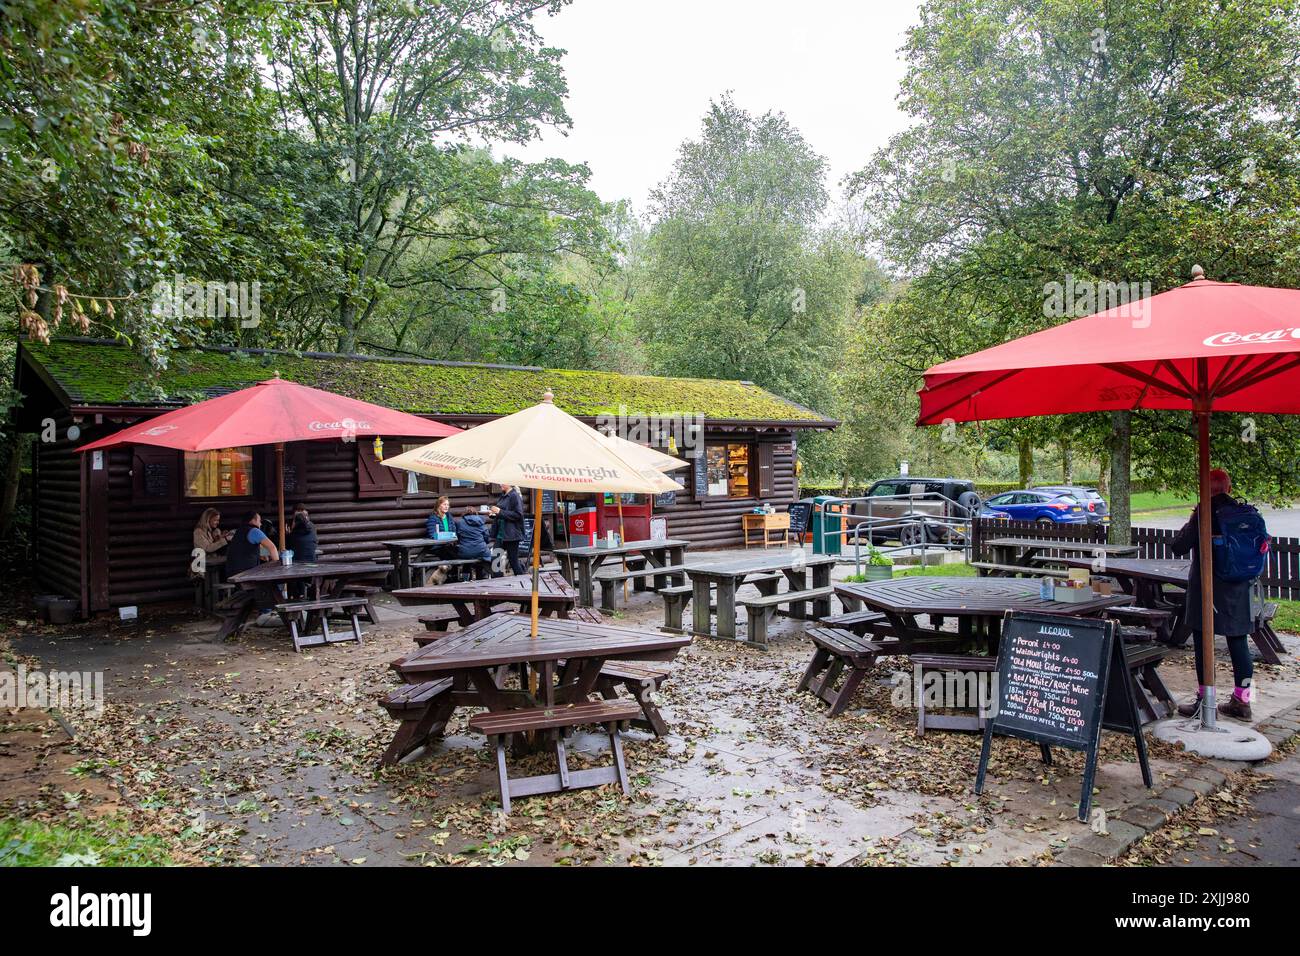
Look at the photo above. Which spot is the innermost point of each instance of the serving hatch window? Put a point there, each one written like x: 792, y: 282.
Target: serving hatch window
x: 417, y: 483
x: 728, y: 470
x: 219, y: 473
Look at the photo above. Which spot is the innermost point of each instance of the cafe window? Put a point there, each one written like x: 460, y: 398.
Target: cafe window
x: 729, y: 472
x: 417, y: 483
x: 219, y: 473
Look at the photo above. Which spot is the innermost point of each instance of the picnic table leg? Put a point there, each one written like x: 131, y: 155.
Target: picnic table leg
x: 726, y: 607
x: 821, y: 576
x: 701, y: 599
x: 586, y: 596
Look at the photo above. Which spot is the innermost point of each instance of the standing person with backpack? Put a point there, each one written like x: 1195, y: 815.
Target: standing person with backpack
x: 1240, y: 542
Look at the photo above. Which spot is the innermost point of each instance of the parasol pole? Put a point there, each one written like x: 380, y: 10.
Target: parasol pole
x: 279, y: 487
x: 622, y: 536
x: 537, y: 555
x: 1205, y: 549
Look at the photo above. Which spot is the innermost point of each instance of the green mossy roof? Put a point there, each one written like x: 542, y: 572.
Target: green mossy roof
x: 98, y: 373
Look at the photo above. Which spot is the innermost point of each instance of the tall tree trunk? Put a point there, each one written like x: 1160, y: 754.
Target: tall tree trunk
x: 347, y: 325
x: 1121, y: 519
x: 1067, y: 462
x: 1026, y: 462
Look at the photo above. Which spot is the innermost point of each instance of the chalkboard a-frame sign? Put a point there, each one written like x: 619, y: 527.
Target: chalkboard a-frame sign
x: 1054, y: 674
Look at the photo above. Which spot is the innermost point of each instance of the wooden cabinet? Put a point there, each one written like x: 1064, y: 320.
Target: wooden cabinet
x: 766, y: 526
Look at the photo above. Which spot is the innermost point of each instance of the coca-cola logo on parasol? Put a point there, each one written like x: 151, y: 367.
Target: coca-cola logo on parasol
x: 160, y: 430
x: 347, y: 424
x: 1251, y: 338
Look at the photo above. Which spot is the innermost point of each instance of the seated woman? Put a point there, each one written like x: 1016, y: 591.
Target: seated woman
x: 301, y: 539
x: 208, y: 538
x: 441, y: 521
x: 474, y: 541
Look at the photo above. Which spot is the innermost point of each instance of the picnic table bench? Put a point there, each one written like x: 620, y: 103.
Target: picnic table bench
x: 725, y: 577
x: 261, y: 587
x: 992, y: 570
x: 642, y: 680
x: 500, y: 726
x: 837, y: 649
x: 763, y: 608
x: 580, y: 565
x: 678, y: 598
x: 305, y: 616
x: 476, y: 600
x: 610, y: 578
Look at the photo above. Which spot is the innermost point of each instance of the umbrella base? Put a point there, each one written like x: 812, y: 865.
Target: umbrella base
x: 1225, y: 742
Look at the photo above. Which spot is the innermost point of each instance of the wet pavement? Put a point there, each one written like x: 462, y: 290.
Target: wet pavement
x: 253, y: 754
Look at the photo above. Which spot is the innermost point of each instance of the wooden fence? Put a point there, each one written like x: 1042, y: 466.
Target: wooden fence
x: 1281, y: 578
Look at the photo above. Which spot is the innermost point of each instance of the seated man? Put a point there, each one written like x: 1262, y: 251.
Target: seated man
x: 249, y: 546
x: 474, y: 541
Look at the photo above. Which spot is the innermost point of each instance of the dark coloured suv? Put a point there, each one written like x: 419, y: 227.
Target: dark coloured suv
x: 916, y: 517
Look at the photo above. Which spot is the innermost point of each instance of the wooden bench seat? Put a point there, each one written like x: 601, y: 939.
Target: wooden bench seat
x: 952, y: 663
x: 1159, y: 621
x: 836, y: 650
x: 611, y: 578
x: 439, y: 617
x: 642, y: 681
x: 861, y: 623
x: 423, y: 710
x: 588, y: 614
x: 499, y: 725
x: 367, y: 591
x: 300, y: 615
x: 990, y: 569
x: 1154, y: 702
x: 763, y: 608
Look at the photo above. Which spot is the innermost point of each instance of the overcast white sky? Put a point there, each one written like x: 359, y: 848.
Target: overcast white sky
x: 641, y: 76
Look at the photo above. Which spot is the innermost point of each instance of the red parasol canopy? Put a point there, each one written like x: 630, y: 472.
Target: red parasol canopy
x: 1204, y: 346
x: 267, y: 413
x: 271, y: 413
x: 1146, y: 354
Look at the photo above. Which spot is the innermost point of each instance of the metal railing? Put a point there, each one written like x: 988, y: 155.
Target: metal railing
x: 950, y: 528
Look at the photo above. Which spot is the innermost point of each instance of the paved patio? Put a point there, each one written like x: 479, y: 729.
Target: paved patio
x: 246, y: 752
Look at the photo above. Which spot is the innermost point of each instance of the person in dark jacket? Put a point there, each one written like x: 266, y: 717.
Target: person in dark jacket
x: 248, y: 544
x: 509, y: 514
x: 441, y: 521
x: 474, y: 541
x: 1232, y: 614
x: 301, y: 539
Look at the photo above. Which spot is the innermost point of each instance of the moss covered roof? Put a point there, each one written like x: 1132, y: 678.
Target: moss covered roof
x: 96, y: 373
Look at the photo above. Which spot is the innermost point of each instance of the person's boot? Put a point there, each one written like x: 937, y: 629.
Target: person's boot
x: 1191, y: 708
x: 1235, y: 708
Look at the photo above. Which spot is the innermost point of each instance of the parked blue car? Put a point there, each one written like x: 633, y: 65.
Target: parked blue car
x: 1092, y: 501
x: 1039, y: 505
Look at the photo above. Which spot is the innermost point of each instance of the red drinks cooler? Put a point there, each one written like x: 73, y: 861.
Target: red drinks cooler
x: 582, y: 527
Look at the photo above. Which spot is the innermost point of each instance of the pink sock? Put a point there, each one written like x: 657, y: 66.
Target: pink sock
x: 1242, y: 694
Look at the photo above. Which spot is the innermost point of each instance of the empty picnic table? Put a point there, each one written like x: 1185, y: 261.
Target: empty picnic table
x: 474, y: 600
x: 263, y: 583
x: 581, y: 564
x: 977, y: 604
x: 1145, y: 579
x: 463, y: 670
x: 403, y: 552
x: 727, y: 576
x: 1023, y: 552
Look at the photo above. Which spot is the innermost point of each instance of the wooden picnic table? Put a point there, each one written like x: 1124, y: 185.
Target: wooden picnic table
x: 1024, y: 551
x: 727, y: 576
x: 403, y: 551
x: 264, y: 582
x: 1145, y: 580
x: 579, y: 565
x: 978, y: 605
x: 474, y: 600
x: 567, y: 656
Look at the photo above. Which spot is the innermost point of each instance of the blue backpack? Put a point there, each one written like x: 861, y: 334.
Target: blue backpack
x: 1241, y: 546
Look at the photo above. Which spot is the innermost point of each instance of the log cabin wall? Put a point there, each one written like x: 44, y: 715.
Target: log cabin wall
x: 148, y: 542
x: 57, y: 526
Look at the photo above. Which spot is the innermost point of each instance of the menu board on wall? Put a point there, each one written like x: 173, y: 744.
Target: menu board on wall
x: 158, y: 479
x: 666, y: 499
x: 701, y: 474
x: 1054, y: 674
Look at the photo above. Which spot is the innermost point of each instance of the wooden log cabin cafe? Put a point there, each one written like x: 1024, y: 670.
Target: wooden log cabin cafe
x: 113, y: 529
